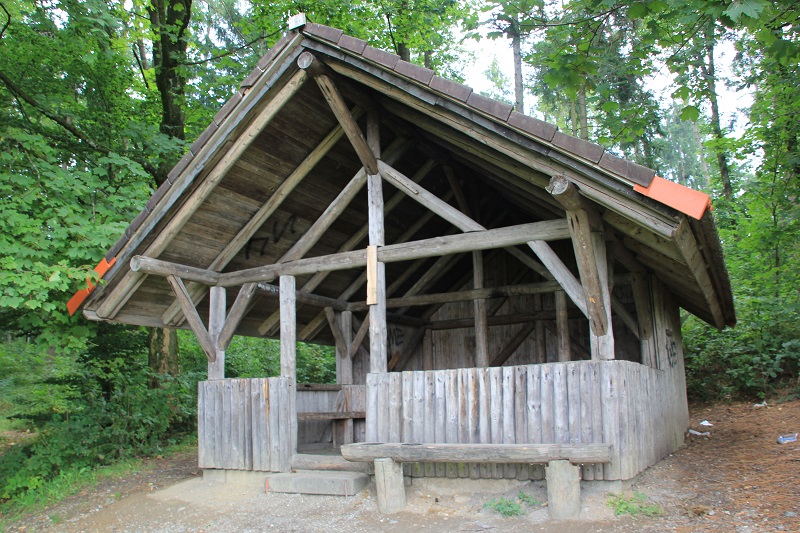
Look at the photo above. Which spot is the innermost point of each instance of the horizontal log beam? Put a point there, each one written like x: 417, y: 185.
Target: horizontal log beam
x: 316, y: 300
x: 437, y: 246
x: 464, y: 296
x: 149, y: 265
x: 501, y: 320
x: 331, y: 415
x: 479, y: 453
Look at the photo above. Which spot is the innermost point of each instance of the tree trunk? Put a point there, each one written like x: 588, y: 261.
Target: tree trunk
x: 516, y: 47
x: 710, y: 75
x: 169, y: 21
x: 403, y: 51
x: 582, y: 114
x: 428, y: 55
x: 164, y: 353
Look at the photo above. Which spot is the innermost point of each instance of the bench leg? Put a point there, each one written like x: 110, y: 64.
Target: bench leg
x: 389, y: 482
x: 563, y: 490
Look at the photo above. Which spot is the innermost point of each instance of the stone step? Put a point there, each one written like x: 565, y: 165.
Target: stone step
x: 308, y: 461
x: 318, y: 482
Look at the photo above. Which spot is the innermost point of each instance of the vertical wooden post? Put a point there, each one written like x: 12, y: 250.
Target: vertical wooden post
x: 389, y: 484
x: 563, y: 490
x: 344, y: 364
x: 378, y: 356
x: 562, y: 327
x: 216, y: 320
x: 644, y: 316
x: 481, y: 325
x: 289, y: 355
x: 602, y: 346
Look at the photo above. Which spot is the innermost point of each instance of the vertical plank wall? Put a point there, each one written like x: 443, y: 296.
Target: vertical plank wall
x: 242, y: 423
x: 239, y: 424
x: 634, y: 407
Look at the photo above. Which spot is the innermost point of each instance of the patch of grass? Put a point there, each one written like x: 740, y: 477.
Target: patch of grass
x: 528, y: 500
x: 633, y: 505
x: 509, y: 507
x: 504, y: 506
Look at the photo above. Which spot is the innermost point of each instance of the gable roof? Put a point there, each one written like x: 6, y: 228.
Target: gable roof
x: 273, y: 160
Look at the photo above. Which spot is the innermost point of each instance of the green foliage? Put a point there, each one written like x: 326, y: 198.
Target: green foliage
x: 634, y: 505
x: 89, y: 410
x: 505, y: 507
x: 528, y: 500
x: 509, y: 507
x: 250, y: 357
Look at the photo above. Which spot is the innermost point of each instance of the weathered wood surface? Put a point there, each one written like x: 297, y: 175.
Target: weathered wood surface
x: 478, y: 453
x: 627, y: 405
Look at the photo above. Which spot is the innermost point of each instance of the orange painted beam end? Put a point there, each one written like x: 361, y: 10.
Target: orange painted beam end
x: 688, y: 201
x: 79, y: 297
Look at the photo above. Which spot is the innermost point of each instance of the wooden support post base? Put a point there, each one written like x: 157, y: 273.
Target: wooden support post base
x: 389, y: 483
x: 563, y: 490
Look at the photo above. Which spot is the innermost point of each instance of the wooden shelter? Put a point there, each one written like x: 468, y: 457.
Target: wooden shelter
x: 484, y: 277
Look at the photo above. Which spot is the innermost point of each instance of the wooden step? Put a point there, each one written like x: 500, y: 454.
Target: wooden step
x: 333, y: 462
x: 318, y: 482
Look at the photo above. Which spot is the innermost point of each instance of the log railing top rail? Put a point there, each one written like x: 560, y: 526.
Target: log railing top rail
x: 478, y: 453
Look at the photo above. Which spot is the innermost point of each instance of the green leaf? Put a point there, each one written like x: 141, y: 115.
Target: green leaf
x: 747, y: 8
x: 637, y: 10
x: 690, y: 112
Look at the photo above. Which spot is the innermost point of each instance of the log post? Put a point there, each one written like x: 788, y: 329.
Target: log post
x: 563, y: 490
x: 479, y: 305
x: 586, y: 230
x: 389, y: 485
x: 378, y: 349
x: 344, y: 362
x: 562, y: 327
x: 216, y: 321
x: 289, y: 355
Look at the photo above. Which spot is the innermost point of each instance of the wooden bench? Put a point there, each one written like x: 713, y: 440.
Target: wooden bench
x: 562, y: 472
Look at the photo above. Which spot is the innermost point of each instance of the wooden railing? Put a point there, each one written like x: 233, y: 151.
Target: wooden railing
x: 638, y: 410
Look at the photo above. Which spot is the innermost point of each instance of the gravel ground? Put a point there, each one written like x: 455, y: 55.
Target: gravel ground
x: 736, y: 479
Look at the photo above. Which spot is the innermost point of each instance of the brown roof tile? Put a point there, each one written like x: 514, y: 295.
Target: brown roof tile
x: 114, y: 250
x: 353, y: 44
x: 387, y: 59
x: 488, y: 105
x: 585, y: 149
x: 250, y: 80
x: 534, y: 126
x: 232, y: 102
x: 415, y: 72
x: 180, y: 167
x: 267, y: 58
x: 451, y: 88
x: 323, y: 32
x: 203, y: 138
x: 628, y: 169
x: 158, y: 195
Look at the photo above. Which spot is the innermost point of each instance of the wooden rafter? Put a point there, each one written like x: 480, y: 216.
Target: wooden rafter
x: 690, y: 250
x: 392, y: 153
x: 197, y: 291
x: 132, y: 280
x: 308, y: 62
x: 583, y: 221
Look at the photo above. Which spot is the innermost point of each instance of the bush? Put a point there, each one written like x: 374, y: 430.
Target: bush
x: 88, y: 410
x: 750, y: 361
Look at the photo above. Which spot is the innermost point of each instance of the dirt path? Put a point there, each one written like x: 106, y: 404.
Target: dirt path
x: 738, y: 479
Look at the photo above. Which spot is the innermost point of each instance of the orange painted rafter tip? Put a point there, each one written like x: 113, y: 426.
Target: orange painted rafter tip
x: 79, y: 297
x: 688, y: 201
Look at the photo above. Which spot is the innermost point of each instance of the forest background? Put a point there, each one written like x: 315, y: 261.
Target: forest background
x: 101, y: 98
